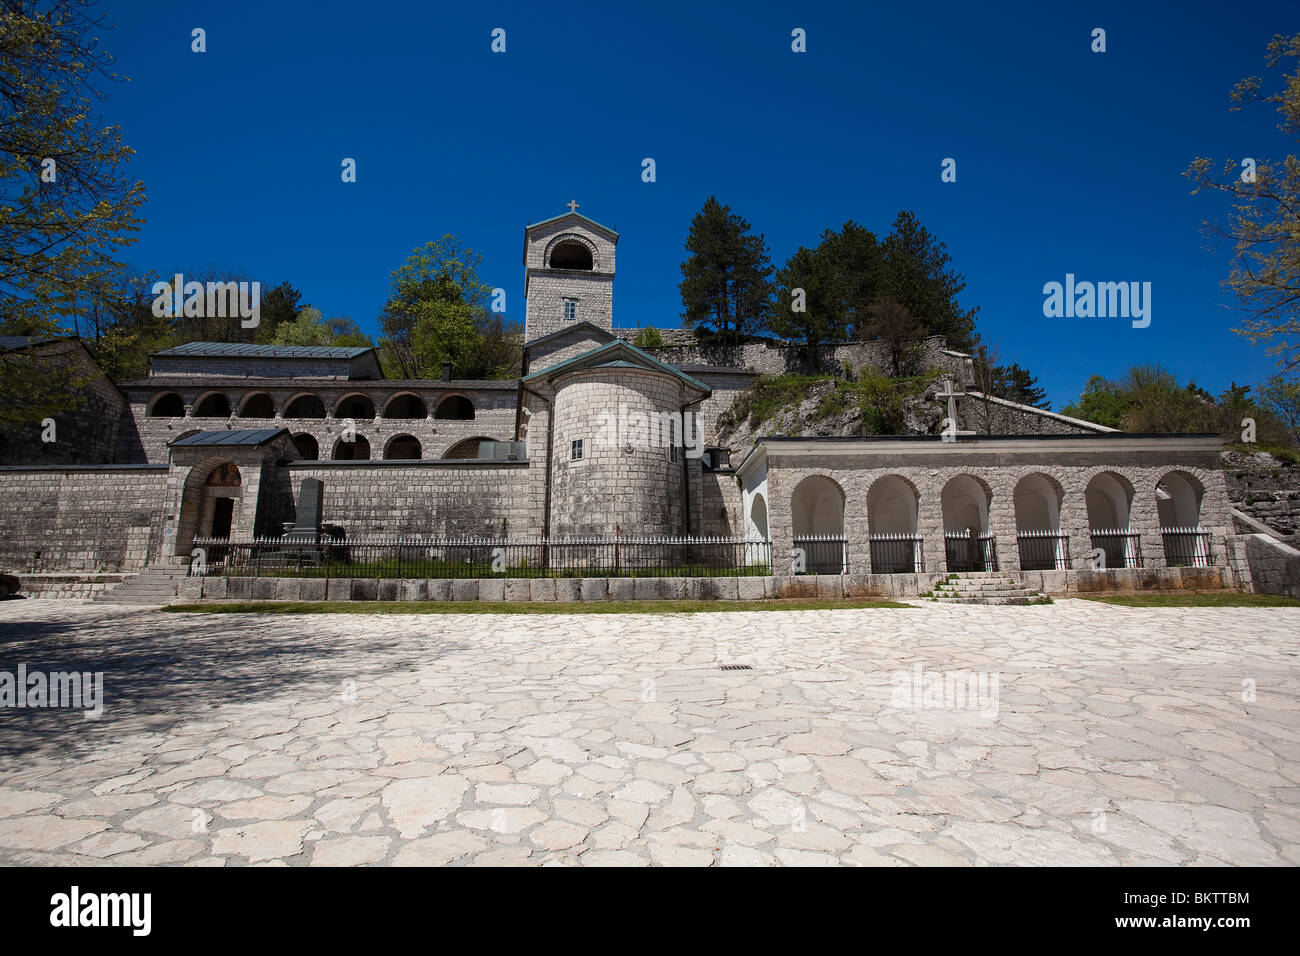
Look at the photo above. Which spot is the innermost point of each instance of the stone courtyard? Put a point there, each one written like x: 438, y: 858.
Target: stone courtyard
x: 1105, y: 736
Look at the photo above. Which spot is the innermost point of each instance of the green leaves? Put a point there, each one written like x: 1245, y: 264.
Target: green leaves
x: 726, y: 283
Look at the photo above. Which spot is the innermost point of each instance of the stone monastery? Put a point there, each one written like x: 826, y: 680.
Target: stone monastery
x: 601, y: 439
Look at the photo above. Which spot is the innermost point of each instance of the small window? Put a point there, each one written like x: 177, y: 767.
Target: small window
x: 672, y: 453
x: 570, y: 310
x: 575, y: 450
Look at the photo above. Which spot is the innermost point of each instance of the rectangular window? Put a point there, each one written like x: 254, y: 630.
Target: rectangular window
x: 570, y: 310
x: 672, y: 452
x: 575, y: 450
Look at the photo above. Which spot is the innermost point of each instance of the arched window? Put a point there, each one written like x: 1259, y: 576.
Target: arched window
x: 305, y: 406
x: 257, y: 405
x: 358, y: 450
x: 455, y: 407
x: 215, y: 405
x: 406, y: 405
x: 308, y: 449
x: 355, y: 406
x: 892, y: 507
x: 571, y: 254
x: 168, y: 405
x: 466, y: 449
x: 403, y: 448
x: 817, y: 510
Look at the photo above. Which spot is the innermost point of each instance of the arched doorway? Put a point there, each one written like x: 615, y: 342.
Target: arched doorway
x: 308, y: 448
x: 402, y: 448
x: 817, y: 515
x: 1037, y: 500
x: 456, y: 408
x: 892, y: 507
x: 211, y: 504
x: 1178, y: 503
x: 1109, y: 499
x: 967, y: 543
x: 214, y: 405
x: 406, y: 405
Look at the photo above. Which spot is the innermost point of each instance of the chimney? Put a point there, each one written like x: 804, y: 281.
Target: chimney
x: 446, y: 371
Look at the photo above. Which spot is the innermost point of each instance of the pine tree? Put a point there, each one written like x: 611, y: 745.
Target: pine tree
x: 726, y: 283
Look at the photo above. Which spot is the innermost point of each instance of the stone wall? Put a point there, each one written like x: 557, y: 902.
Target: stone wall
x: 90, y: 518
x: 547, y: 590
x: 637, y: 489
x: 97, y: 432
x: 1269, y: 566
x: 991, y: 416
x: 494, y: 414
x: 428, y: 499
x: 772, y: 357
x: 928, y: 466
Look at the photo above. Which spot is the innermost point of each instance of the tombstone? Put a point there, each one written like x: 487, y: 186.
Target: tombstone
x: 306, y: 525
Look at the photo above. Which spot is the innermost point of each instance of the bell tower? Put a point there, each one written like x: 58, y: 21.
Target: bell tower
x: 568, y: 274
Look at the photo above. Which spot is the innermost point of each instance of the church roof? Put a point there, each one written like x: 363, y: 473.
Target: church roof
x: 247, y: 436
x: 617, y: 354
x: 575, y: 215
x: 11, y: 342
x: 569, y: 330
x: 248, y: 350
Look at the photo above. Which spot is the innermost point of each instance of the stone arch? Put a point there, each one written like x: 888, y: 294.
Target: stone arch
x: 456, y: 408
x: 305, y: 405
x: 211, y: 481
x: 817, y: 513
x: 965, y: 500
x: 1109, y: 500
x: 257, y: 405
x: 756, y: 520
x: 893, y: 504
x: 212, y: 405
x: 402, y: 448
x: 571, y: 251
x: 406, y: 405
x: 358, y: 450
x: 1037, y: 499
x: 355, y: 405
x: 167, y: 405
x: 466, y: 448
x: 1178, y: 500
x: 308, y: 447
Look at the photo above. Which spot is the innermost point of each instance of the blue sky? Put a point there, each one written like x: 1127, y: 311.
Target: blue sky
x: 1067, y: 161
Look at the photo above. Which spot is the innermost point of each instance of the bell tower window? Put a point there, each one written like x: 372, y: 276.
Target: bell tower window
x: 571, y: 254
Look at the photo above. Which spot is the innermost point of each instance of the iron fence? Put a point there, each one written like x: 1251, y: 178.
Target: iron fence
x: 1120, y: 547
x: 821, y: 554
x: 1187, y: 548
x: 970, y: 551
x: 409, y: 557
x: 1043, y: 550
x: 896, y: 553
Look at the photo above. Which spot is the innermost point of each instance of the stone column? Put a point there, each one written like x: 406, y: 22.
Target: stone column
x: 1002, y: 522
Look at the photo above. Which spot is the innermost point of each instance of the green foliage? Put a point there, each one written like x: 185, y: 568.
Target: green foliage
x: 436, y: 314
x: 1149, y: 398
x: 1264, y: 225
x: 57, y: 238
x: 881, y: 399
x: 726, y: 283
x: 856, y: 286
x: 309, y: 328
x: 648, y: 338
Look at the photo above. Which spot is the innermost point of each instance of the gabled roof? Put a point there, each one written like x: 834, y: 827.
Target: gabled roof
x: 573, y: 215
x: 248, y: 436
x: 9, y: 343
x: 248, y: 350
x: 569, y: 330
x: 617, y: 354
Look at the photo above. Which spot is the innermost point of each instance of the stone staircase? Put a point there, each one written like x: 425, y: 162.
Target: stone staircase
x: 153, y: 585
x: 985, y: 587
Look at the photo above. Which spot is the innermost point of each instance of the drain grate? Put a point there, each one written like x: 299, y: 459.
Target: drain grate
x: 735, y: 667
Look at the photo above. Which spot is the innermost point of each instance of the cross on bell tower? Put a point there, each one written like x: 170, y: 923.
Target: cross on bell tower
x: 573, y: 205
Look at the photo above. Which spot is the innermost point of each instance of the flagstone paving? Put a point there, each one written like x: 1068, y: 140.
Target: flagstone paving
x: 1097, y: 735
